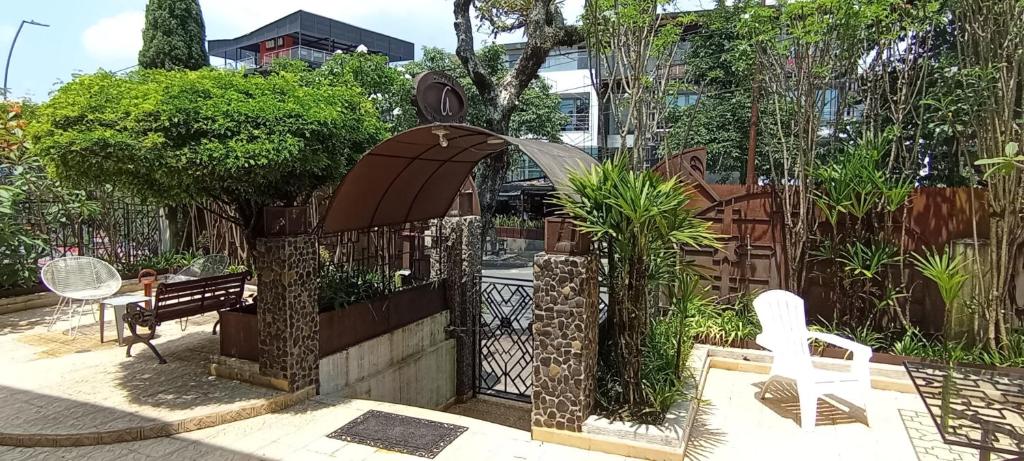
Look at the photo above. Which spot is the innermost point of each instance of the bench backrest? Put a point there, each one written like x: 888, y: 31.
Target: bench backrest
x: 176, y: 300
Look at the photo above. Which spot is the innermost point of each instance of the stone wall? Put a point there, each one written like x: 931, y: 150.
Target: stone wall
x: 565, y: 297
x: 287, y: 313
x: 413, y: 365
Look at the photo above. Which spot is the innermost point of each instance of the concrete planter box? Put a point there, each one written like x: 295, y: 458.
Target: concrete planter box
x: 340, y: 329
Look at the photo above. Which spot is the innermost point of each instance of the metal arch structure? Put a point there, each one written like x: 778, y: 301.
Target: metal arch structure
x: 415, y: 175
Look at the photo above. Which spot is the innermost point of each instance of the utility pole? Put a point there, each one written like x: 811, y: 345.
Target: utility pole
x: 7, y: 67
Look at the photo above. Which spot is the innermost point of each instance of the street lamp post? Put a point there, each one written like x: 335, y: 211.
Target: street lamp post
x: 7, y: 67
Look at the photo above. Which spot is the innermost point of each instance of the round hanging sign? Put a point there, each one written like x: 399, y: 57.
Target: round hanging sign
x: 439, y: 98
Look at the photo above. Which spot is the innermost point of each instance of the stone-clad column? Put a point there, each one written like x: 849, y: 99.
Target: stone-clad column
x: 565, y: 320
x: 289, y: 324
x: 460, y: 261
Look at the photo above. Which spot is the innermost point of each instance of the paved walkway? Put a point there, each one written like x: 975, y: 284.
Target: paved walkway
x: 733, y: 424
x: 56, y: 384
x: 300, y: 433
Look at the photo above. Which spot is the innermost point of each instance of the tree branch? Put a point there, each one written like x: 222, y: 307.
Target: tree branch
x: 466, y: 52
x: 545, y: 29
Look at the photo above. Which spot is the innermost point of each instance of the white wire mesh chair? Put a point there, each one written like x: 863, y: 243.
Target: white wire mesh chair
x: 79, y: 279
x: 204, y: 266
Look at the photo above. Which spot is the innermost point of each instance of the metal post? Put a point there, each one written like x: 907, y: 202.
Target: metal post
x: 7, y: 67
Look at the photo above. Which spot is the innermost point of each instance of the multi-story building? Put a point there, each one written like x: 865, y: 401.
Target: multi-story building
x: 567, y: 71
x: 308, y: 37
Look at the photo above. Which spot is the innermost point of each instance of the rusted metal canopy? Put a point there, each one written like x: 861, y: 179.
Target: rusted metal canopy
x: 413, y: 177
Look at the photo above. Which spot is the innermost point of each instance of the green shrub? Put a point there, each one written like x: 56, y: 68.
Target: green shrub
x: 173, y: 261
x: 517, y: 222
x: 723, y: 324
x: 340, y: 286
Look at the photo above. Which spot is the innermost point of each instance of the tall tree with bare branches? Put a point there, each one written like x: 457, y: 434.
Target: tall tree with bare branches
x: 545, y: 28
x: 990, y: 45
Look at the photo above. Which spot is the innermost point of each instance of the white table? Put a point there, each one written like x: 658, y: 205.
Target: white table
x: 119, y: 303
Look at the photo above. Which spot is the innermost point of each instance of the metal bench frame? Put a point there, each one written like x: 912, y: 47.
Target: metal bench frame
x: 177, y: 300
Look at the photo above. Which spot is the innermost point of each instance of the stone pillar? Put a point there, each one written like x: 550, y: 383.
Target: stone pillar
x: 565, y: 321
x: 459, y: 263
x: 289, y: 324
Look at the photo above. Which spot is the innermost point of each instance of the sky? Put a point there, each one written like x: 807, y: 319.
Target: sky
x: 86, y: 35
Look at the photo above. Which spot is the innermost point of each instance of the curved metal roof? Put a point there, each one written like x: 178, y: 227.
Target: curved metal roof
x: 411, y: 177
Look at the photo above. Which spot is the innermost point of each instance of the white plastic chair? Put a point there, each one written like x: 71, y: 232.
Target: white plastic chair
x: 785, y: 334
x: 79, y: 279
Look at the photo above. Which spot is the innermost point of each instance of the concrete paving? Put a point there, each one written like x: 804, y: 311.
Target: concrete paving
x: 733, y: 424
x: 300, y: 433
x: 54, y: 383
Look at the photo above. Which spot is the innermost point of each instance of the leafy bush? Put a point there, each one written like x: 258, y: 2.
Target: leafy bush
x: 170, y: 260
x: 20, y: 247
x: 517, y: 222
x: 723, y: 325
x: 340, y: 286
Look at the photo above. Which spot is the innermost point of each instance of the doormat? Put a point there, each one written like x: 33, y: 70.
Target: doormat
x: 404, y: 434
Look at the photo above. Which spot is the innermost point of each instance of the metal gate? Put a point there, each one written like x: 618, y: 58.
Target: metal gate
x: 505, y: 358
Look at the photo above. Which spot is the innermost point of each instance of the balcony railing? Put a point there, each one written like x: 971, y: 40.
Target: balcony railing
x: 303, y: 53
x: 577, y: 122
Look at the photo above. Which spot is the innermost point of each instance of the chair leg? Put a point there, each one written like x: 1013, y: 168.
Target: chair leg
x: 865, y: 396
x: 808, y: 407
x: 61, y: 304
x: 215, y: 325
x: 77, y: 314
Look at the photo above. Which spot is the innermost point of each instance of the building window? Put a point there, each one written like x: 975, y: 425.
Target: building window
x: 269, y: 43
x: 280, y: 41
x: 577, y: 107
x: 683, y: 100
x: 513, y: 58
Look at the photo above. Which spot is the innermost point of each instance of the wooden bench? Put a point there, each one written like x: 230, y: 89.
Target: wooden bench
x: 178, y: 300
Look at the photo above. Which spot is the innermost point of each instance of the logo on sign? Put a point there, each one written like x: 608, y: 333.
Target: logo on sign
x: 439, y: 98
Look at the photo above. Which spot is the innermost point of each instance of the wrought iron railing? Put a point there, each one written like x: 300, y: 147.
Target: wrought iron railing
x: 122, y: 233
x: 303, y: 53
x: 410, y: 250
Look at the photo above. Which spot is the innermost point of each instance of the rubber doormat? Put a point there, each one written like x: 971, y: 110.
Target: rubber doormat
x: 404, y: 434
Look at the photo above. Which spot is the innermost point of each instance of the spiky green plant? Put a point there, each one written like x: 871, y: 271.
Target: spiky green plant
x: 949, y: 272
x: 644, y: 218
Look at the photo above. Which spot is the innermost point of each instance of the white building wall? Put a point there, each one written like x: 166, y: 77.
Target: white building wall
x: 568, y: 82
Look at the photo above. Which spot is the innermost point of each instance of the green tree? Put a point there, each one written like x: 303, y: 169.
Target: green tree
x: 220, y: 136
x: 388, y: 87
x: 720, y: 63
x: 536, y: 113
x: 174, y: 37
x: 544, y: 28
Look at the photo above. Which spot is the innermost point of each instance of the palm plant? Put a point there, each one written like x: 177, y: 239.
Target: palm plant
x: 948, y: 272
x: 644, y: 219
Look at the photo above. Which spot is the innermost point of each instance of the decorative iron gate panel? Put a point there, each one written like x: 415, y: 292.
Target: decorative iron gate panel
x: 505, y: 358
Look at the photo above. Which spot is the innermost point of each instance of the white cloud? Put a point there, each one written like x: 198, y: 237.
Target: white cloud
x: 115, y: 38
